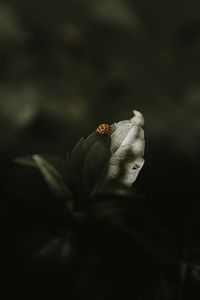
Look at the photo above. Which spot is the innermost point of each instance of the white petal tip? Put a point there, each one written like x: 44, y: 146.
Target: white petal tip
x: 137, y: 119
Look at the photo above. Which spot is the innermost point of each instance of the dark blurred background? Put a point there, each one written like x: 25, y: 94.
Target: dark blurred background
x: 67, y: 66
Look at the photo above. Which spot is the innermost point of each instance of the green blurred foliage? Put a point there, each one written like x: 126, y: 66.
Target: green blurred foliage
x: 81, y: 63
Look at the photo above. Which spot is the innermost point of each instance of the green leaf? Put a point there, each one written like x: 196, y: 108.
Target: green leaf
x: 26, y: 160
x: 89, y: 157
x: 94, y: 163
x: 54, y: 171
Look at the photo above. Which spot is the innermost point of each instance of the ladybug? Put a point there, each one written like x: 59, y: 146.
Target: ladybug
x: 103, y: 129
